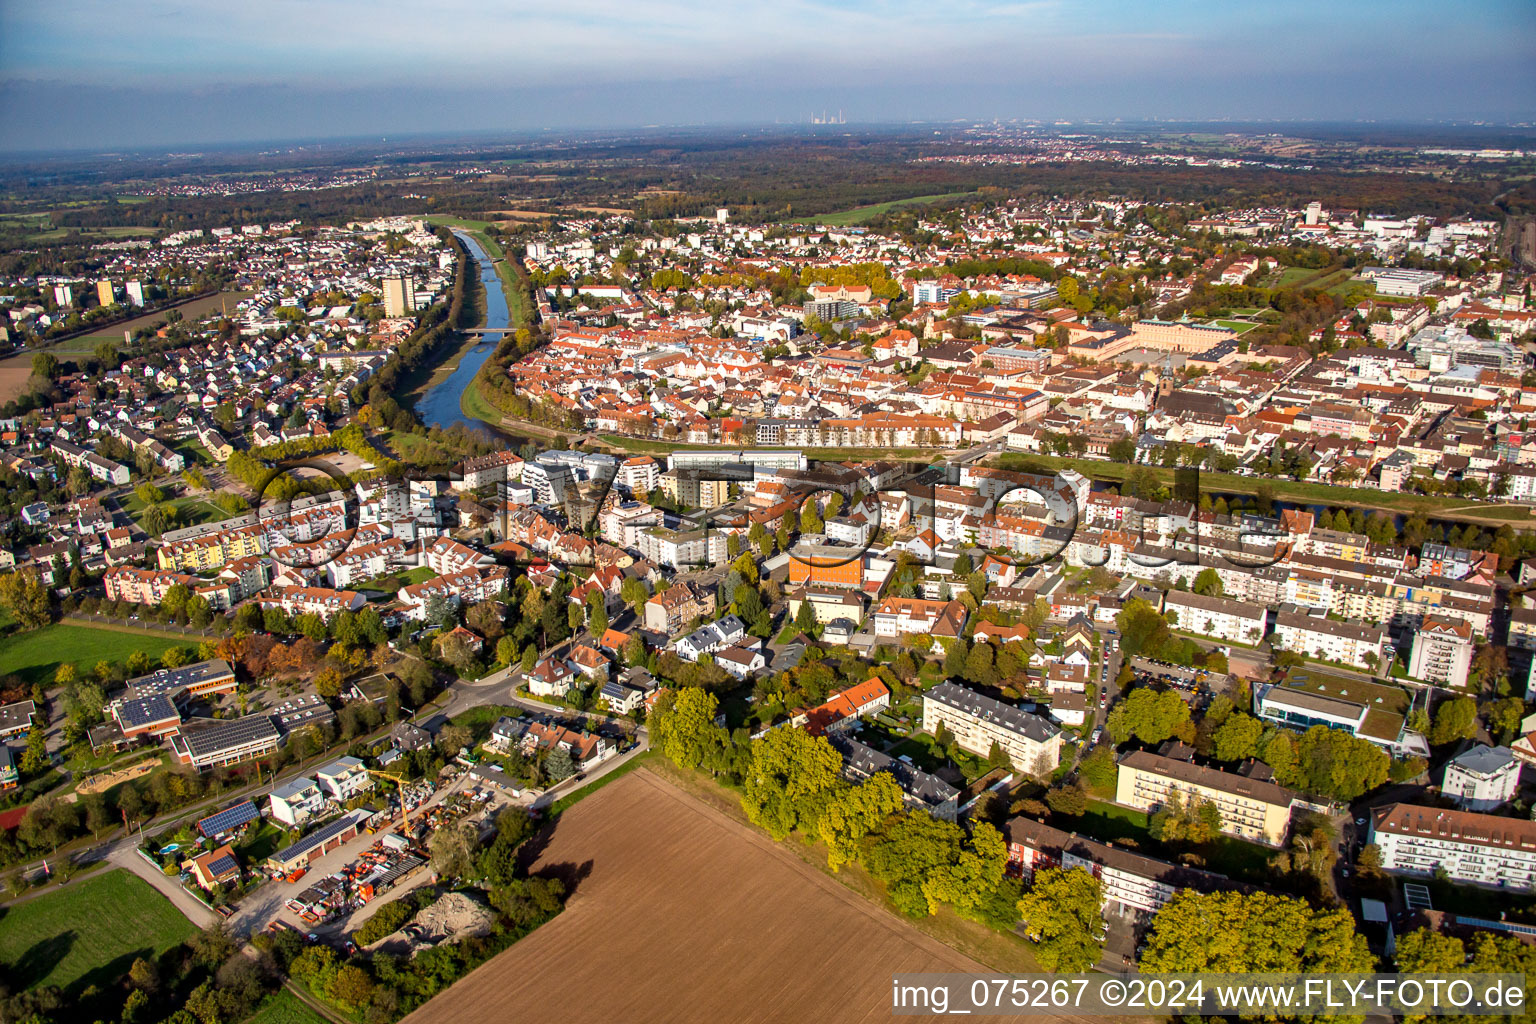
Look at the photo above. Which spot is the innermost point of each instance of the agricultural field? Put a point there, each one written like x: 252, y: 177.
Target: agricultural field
x: 710, y: 918
x: 87, y: 933
x: 34, y: 656
x: 860, y: 214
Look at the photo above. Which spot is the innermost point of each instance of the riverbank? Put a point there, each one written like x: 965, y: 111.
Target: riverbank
x: 472, y: 403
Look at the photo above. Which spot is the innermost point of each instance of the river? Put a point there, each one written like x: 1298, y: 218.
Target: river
x: 440, y: 406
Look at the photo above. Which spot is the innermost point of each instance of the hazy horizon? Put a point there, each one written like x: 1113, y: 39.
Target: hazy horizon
x: 79, y: 75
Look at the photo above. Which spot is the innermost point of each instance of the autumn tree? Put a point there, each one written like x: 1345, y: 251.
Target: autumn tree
x: 24, y: 595
x: 1061, y: 917
x: 854, y: 812
x: 789, y: 770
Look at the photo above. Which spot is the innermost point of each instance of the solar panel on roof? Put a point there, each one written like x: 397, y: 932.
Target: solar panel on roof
x: 219, y: 865
x: 228, y: 819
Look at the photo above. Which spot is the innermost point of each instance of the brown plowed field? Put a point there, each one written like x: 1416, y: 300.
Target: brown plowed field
x: 685, y: 915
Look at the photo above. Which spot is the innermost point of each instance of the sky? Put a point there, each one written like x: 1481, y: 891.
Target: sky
x: 113, y: 74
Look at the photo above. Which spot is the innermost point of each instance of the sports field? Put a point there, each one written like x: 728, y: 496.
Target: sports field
x: 88, y: 932
x: 36, y: 655
x: 683, y: 914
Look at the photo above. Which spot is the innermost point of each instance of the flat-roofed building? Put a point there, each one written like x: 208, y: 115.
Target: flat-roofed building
x: 978, y: 721
x: 155, y: 715
x: 1485, y: 849
x: 195, y: 680
x: 826, y: 565
x: 343, y: 779
x: 1482, y: 779
x: 16, y: 718
x: 296, y: 801
x: 210, y: 743
x: 1372, y: 711
x: 1251, y: 809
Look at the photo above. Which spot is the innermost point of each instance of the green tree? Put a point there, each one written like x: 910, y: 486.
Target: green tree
x: 1233, y: 932
x: 35, y: 757
x: 1061, y: 917
x: 597, y: 614
x: 854, y: 812
x: 453, y: 848
x: 911, y: 848
x: 978, y: 871
x: 789, y: 770
x: 682, y: 726
x: 1455, y: 719
x: 1332, y: 763
x: 1148, y: 716
x: 559, y: 765
x: 1208, y: 582
x: 1099, y: 771
x: 1238, y: 737
x: 24, y: 595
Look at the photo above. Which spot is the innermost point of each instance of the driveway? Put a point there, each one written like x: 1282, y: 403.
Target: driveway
x: 125, y: 854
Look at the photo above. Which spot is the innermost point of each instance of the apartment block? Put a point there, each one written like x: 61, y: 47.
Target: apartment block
x: 1442, y: 652
x: 1317, y: 636
x: 1250, y: 809
x: 1484, y: 849
x: 977, y: 721
x: 1126, y: 879
x: 1218, y: 617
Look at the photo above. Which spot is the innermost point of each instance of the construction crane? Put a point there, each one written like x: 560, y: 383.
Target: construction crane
x: 399, y: 781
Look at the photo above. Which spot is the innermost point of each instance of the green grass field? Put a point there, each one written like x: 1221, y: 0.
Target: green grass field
x: 860, y: 214
x: 1291, y: 277
x: 34, y: 656
x: 88, y: 933
x: 285, y: 1008
x: 414, y: 448
x: 191, y: 509
x: 1240, y: 326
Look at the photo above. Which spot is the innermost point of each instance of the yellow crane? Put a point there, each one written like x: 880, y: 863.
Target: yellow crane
x: 399, y: 781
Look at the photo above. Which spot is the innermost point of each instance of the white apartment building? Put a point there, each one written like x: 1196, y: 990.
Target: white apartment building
x: 296, y: 801
x: 343, y: 779
x: 977, y: 722
x: 1482, y: 779
x: 640, y: 473
x: 1126, y: 878
x: 1442, y: 652
x: 1218, y: 617
x: 1316, y: 636
x: 1485, y: 849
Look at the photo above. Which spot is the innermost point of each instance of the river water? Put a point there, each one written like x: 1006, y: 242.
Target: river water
x: 440, y: 407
